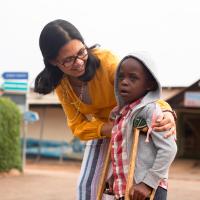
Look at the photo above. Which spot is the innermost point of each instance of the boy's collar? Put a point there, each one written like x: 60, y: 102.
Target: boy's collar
x: 130, y: 105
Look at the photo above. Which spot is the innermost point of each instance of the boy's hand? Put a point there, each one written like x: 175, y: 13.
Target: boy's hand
x: 140, y: 192
x: 109, y: 185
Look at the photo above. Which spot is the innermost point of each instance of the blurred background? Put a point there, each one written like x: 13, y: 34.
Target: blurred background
x: 50, y: 156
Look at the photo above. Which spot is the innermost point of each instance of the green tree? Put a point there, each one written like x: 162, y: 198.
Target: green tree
x: 10, y: 149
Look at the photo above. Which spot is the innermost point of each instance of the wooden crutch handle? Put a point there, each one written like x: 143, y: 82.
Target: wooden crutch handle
x: 130, y: 177
x: 152, y: 195
x: 104, y: 173
x: 132, y: 163
x: 131, y: 171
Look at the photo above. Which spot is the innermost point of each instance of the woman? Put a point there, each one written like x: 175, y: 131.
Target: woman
x: 83, y: 78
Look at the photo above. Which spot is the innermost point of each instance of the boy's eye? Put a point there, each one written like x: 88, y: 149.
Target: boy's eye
x: 133, y: 77
x: 121, y: 76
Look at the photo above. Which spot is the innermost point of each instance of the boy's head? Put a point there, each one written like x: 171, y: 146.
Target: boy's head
x: 134, y: 80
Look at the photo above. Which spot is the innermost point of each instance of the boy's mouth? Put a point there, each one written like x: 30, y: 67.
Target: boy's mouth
x: 124, y: 92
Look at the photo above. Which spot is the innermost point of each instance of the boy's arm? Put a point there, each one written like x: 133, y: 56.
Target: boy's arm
x: 166, y: 151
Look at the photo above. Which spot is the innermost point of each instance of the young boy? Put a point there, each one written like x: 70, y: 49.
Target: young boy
x: 137, y: 90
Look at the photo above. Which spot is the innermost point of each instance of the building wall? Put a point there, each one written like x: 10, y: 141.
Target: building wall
x: 170, y: 92
x: 51, y: 126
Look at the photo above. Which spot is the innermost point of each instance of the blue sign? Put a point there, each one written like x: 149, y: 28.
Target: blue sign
x: 15, y: 75
x: 192, y: 99
x: 30, y: 116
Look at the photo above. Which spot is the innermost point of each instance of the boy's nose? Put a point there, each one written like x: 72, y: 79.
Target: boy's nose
x: 124, y: 81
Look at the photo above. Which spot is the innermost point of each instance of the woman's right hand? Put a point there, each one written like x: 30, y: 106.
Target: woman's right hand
x: 106, y: 129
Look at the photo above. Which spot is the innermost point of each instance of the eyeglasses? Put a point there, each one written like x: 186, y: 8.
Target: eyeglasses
x: 69, y: 61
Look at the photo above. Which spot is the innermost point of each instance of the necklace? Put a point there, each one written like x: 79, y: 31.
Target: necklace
x: 76, y: 103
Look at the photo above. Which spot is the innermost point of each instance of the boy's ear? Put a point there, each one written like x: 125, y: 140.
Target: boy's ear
x: 152, y: 85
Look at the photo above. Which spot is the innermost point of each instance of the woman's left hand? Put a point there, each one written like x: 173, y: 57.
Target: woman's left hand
x: 165, y: 122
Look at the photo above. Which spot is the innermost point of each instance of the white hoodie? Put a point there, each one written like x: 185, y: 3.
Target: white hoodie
x: 155, y: 157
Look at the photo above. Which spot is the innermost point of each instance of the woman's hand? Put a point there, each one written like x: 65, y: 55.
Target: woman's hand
x: 165, y: 122
x: 107, y: 128
x: 140, y: 192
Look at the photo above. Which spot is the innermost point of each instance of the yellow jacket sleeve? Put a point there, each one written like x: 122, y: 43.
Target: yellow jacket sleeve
x: 164, y: 105
x: 77, y: 122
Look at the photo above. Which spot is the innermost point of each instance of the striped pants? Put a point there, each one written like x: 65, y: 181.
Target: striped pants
x: 92, y: 165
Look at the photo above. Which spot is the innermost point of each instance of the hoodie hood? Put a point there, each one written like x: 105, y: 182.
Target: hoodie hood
x: 151, y: 96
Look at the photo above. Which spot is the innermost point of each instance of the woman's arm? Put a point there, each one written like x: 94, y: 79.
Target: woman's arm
x: 77, y: 122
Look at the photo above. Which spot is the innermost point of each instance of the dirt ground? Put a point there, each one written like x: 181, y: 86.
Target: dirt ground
x: 53, y: 180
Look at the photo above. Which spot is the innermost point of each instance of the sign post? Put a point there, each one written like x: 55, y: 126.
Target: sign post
x: 15, y: 86
x: 15, y: 82
x: 15, y: 75
x: 29, y: 117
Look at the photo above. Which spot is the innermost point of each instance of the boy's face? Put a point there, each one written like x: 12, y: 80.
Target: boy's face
x: 133, y: 83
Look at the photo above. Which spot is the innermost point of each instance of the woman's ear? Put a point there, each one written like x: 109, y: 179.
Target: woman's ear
x: 53, y: 62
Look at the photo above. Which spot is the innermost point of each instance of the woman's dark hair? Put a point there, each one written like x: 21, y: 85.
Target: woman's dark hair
x: 54, y: 36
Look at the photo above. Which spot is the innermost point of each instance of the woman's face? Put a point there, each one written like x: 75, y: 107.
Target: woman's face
x: 72, y: 58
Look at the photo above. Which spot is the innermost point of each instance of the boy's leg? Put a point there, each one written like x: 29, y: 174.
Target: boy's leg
x: 91, y: 167
x: 161, y: 194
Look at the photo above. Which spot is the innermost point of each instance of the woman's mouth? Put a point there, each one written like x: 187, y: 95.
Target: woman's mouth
x: 79, y: 68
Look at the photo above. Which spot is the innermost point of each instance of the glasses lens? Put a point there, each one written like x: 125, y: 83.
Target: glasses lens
x: 68, y: 63
x: 71, y: 60
x: 82, y: 53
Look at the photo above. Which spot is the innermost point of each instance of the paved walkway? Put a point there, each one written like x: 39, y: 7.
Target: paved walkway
x: 55, y: 181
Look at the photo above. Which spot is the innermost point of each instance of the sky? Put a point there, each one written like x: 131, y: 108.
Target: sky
x: 168, y: 30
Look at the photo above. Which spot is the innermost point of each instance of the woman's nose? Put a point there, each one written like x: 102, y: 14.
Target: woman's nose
x: 78, y: 61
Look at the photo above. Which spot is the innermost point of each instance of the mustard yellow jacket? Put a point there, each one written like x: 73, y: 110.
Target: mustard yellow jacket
x: 86, y: 120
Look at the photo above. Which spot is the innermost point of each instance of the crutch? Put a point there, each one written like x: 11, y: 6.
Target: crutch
x: 101, y: 185
x: 132, y: 165
x: 104, y: 173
